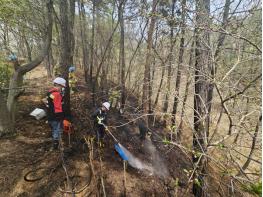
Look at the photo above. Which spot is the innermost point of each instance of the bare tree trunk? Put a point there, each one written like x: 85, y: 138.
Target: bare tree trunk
x: 13, y: 94
x: 151, y: 86
x: 188, y: 81
x: 49, y: 62
x: 246, y: 164
x: 6, y: 125
x: 92, y: 51
x: 110, y: 67
x: 152, y: 106
x: 180, y: 64
x: 67, y: 13
x: 122, y: 54
x: 57, y: 38
x: 202, y: 62
x: 160, y: 87
x: 28, y: 48
x: 111, y: 52
x: 171, y: 57
x: 212, y: 67
x: 147, y: 71
x: 82, y: 18
x: 92, y: 40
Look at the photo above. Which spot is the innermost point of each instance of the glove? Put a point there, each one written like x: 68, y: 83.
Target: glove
x: 44, y: 100
x: 99, y: 120
x: 148, y: 135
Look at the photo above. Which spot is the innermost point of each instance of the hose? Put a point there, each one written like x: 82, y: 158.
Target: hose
x: 34, y: 179
x: 79, y: 190
x: 45, y: 169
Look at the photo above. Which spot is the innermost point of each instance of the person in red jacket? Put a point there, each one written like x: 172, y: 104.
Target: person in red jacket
x: 55, y: 112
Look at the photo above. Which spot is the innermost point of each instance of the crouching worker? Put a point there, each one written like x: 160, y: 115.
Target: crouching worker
x: 100, y: 120
x: 144, y: 131
x: 55, y: 109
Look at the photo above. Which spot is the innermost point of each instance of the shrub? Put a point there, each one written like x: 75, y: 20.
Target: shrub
x: 255, y: 189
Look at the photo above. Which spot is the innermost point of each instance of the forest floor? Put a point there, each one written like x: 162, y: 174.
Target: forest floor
x: 26, y: 155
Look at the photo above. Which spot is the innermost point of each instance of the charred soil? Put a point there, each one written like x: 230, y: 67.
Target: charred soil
x: 30, y: 168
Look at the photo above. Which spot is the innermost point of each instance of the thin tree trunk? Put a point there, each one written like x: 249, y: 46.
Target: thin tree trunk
x: 57, y: 33
x: 122, y: 54
x: 152, y: 107
x: 171, y: 57
x: 147, y: 71
x: 67, y: 13
x: 51, y: 59
x: 13, y: 94
x: 101, y: 63
x: 111, y: 52
x: 28, y: 48
x: 252, y: 149
x: 6, y: 126
x: 212, y: 67
x: 92, y: 54
x: 48, y: 63
x: 92, y: 39
x: 159, y: 88
x: 180, y: 64
x: 188, y: 81
x: 110, y: 55
x: 83, y: 35
x: 202, y: 62
x: 136, y: 50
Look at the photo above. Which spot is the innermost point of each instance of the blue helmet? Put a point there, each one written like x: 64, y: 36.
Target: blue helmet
x: 12, y: 57
x: 71, y: 69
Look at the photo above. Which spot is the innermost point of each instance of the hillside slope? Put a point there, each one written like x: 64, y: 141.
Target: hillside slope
x: 26, y: 155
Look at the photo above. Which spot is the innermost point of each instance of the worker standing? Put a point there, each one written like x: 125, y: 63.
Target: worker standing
x: 100, y: 120
x: 72, y: 80
x: 114, y: 97
x: 57, y: 71
x: 55, y: 109
x: 145, y: 134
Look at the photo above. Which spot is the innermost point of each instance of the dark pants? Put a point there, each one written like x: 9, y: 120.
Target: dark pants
x: 100, y: 133
x: 143, y: 130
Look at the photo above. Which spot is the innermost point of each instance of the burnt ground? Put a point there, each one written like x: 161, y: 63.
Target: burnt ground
x: 26, y: 156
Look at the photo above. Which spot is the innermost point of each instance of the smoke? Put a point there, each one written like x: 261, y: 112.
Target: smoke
x: 136, y: 162
x: 157, y: 165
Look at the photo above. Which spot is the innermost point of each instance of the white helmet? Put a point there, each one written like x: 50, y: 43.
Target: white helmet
x: 60, y: 81
x: 106, y: 105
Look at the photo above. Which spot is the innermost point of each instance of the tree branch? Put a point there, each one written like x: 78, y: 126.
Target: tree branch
x: 31, y: 65
x: 242, y: 91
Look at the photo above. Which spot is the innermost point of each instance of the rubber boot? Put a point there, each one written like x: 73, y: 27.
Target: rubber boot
x: 101, y: 143
x: 55, y: 144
